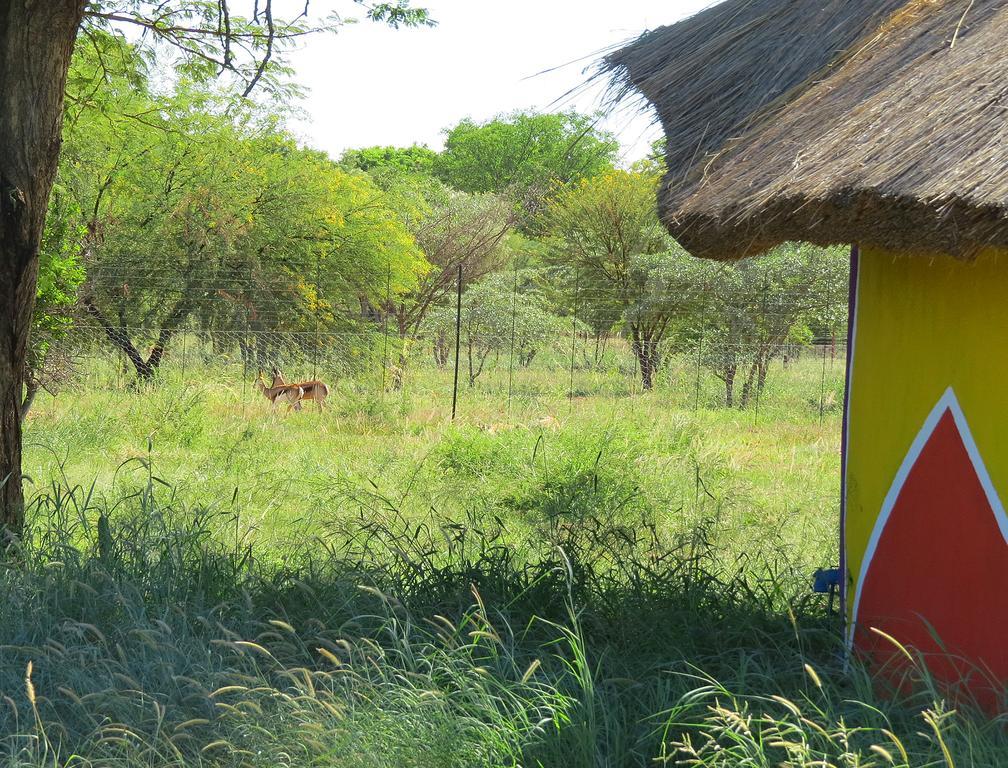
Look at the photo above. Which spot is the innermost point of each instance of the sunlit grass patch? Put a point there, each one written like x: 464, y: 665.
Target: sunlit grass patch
x: 616, y: 580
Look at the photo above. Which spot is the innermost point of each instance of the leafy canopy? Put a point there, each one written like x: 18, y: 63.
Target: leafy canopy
x: 382, y: 160
x: 524, y: 151
x: 247, y: 42
x: 203, y: 211
x: 616, y: 266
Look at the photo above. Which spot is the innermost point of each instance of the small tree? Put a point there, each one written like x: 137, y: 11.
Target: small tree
x: 667, y: 290
x: 755, y: 306
x: 615, y: 262
x: 720, y: 332
x: 457, y: 232
x: 495, y: 319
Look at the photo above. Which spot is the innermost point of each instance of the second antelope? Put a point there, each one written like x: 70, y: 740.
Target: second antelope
x: 291, y: 394
x: 310, y: 390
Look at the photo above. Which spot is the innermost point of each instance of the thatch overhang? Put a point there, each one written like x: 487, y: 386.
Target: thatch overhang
x: 880, y: 122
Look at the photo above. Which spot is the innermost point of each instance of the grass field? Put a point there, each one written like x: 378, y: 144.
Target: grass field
x: 612, y: 578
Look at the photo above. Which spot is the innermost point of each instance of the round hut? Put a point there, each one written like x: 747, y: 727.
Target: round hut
x: 883, y: 124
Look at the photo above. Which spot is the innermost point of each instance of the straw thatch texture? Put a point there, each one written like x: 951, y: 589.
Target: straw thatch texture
x: 834, y: 121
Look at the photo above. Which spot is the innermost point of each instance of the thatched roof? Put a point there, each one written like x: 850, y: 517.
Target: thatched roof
x: 881, y: 122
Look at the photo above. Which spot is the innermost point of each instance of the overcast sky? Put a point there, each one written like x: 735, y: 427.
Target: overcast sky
x: 373, y: 85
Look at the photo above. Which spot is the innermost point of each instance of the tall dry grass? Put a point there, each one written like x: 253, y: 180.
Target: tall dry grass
x: 577, y: 632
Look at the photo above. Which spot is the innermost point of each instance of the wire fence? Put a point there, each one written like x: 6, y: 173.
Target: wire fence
x: 476, y: 350
x: 562, y: 368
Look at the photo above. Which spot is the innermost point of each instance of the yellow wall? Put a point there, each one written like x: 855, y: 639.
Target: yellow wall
x: 922, y: 326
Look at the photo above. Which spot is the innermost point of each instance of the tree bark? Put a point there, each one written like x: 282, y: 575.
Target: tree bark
x: 764, y: 365
x: 399, y: 371
x: 646, y: 369
x: 145, y: 369
x: 407, y: 334
x: 646, y: 351
x: 747, y: 387
x: 118, y: 337
x: 729, y: 383
x: 31, y: 391
x: 441, y: 350
x: 36, y: 42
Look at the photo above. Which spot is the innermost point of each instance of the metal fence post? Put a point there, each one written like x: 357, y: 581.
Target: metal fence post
x: 388, y: 294
x: 458, y: 339
x: 577, y: 294
x: 514, y: 311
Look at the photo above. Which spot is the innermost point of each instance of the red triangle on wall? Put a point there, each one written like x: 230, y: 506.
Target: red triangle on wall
x: 935, y: 574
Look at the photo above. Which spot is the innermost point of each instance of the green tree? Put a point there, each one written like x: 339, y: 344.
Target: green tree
x: 38, y: 40
x: 616, y: 263
x: 460, y: 235
x: 525, y: 155
x: 756, y: 306
x: 403, y: 160
x: 495, y: 319
x: 240, y: 232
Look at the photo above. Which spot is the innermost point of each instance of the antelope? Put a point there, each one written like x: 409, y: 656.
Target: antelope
x: 310, y: 390
x: 285, y: 393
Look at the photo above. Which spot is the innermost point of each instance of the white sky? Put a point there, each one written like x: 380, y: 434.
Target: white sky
x: 373, y: 85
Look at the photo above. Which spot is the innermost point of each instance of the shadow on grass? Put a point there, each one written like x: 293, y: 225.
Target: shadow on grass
x: 159, y: 635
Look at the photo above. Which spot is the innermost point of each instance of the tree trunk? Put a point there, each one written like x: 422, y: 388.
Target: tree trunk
x: 31, y: 391
x: 145, y: 369
x: 643, y: 351
x: 157, y: 351
x: 406, y: 337
x: 118, y: 337
x: 399, y: 371
x: 36, y: 42
x: 729, y: 382
x: 764, y: 364
x: 441, y: 351
x: 747, y: 388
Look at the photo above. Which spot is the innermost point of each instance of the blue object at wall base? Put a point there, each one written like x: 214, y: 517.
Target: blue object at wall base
x: 826, y: 580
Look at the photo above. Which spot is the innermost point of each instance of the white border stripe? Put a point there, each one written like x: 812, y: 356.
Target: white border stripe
x: 947, y: 402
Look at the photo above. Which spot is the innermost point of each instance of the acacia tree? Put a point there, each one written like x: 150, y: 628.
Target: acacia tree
x: 524, y: 150
x: 460, y: 235
x: 525, y: 155
x: 719, y: 334
x: 666, y: 290
x: 495, y: 319
x: 240, y: 233
x: 614, y: 258
x: 754, y: 306
x: 162, y: 237
x: 404, y: 160
x: 36, y: 44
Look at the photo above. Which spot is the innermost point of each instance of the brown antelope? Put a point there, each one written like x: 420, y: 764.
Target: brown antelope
x: 284, y: 393
x: 310, y: 390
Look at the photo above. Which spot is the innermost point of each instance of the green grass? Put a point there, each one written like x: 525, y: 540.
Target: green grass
x: 211, y: 437
x: 613, y: 580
